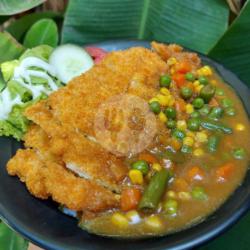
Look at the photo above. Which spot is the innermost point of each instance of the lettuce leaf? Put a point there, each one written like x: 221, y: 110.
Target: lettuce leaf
x: 7, y: 69
x: 43, y: 52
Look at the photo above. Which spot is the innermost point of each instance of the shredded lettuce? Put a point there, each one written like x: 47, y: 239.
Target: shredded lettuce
x: 24, y: 82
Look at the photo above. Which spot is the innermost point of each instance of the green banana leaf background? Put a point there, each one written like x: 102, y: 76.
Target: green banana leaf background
x: 217, y: 28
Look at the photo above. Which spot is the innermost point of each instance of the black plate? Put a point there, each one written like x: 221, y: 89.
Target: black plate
x: 42, y: 223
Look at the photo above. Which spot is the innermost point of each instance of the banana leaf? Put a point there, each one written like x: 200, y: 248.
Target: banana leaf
x: 233, y: 49
x: 195, y: 24
x: 9, y: 240
x: 11, y: 7
x: 43, y: 31
x: 9, y: 47
x: 19, y: 27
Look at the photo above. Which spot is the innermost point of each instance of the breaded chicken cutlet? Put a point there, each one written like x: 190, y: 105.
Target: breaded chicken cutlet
x: 63, y: 160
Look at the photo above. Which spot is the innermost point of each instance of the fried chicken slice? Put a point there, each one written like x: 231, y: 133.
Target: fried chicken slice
x: 134, y: 71
x: 103, y: 168
x: 50, y: 179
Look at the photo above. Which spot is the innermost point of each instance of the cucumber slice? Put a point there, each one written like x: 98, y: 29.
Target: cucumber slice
x: 70, y: 61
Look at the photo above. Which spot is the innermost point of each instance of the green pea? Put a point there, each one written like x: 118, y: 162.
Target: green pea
x: 216, y: 113
x: 207, y: 93
x: 193, y: 124
x: 204, y: 111
x: 178, y: 134
x: 190, y: 77
x: 170, y: 206
x: 170, y: 112
x: 239, y: 153
x: 198, y: 193
x: 195, y: 114
x: 203, y: 80
x: 220, y: 92
x: 165, y: 81
x: 230, y: 111
x: 186, y: 149
x: 171, y: 123
x: 226, y: 103
x: 141, y: 165
x: 186, y: 92
x: 155, y: 107
x: 198, y: 103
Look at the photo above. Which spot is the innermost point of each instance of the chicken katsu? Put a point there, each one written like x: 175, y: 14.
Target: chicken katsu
x: 172, y: 179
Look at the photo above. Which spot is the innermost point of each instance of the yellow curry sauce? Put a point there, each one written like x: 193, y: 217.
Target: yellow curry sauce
x: 204, y: 163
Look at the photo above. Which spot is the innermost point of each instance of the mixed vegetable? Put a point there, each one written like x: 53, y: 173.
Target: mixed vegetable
x: 186, y: 166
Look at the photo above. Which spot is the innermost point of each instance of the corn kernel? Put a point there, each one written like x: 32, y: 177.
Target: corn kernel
x: 190, y: 134
x: 181, y: 124
x: 189, y: 141
x: 164, y: 91
x: 119, y: 220
x: 171, y: 101
x: 163, y: 99
x: 201, y: 137
x: 171, y: 194
x: 240, y: 127
x: 156, y: 166
x: 189, y: 108
x: 136, y: 176
x: 207, y: 71
x: 162, y: 117
x: 154, y: 222
x: 197, y: 89
x: 196, y: 83
x: 154, y: 99
x: 133, y: 216
x: 172, y: 61
x: 198, y: 152
x: 172, y: 71
x: 185, y: 196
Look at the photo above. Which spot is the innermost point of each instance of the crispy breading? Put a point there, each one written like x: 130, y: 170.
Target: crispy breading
x: 50, y: 179
x: 75, y: 105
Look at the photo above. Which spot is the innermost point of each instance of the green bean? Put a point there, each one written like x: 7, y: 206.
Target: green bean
x: 207, y: 92
x: 212, y: 143
x: 154, y: 191
x: 215, y: 126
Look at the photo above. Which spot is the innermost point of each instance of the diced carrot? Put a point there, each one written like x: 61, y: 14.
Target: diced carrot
x: 130, y: 198
x: 180, y: 184
x: 179, y: 79
x: 147, y: 157
x: 183, y: 67
x: 195, y: 173
x: 180, y: 105
x: 213, y: 102
x: 225, y: 171
x: 175, y: 144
